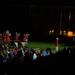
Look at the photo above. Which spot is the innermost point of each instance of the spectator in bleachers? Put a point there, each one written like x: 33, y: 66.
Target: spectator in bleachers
x: 34, y: 55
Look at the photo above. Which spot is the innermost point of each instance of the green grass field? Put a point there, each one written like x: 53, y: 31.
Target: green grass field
x: 42, y: 45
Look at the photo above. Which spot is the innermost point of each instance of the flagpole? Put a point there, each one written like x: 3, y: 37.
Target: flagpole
x: 60, y: 21
x: 69, y: 19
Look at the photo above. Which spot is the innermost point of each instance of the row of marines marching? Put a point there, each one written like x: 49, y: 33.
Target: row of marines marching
x: 5, y: 39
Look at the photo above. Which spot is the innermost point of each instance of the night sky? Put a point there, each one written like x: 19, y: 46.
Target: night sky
x: 34, y: 19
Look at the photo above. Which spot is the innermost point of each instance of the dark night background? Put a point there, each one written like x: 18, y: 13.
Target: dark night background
x: 35, y: 19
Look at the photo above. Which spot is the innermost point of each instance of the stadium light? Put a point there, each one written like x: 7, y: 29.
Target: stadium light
x: 70, y: 34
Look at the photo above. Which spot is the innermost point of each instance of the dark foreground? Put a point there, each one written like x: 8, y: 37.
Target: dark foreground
x: 61, y: 62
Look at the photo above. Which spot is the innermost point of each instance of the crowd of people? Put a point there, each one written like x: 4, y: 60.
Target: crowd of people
x: 35, y: 61
x: 19, y: 56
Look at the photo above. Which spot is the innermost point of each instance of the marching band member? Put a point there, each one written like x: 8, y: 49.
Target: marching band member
x: 8, y: 38
x: 4, y: 37
x: 56, y: 43
x: 25, y: 39
x: 16, y: 39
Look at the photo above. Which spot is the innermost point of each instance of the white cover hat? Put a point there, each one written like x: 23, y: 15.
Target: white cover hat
x: 57, y: 38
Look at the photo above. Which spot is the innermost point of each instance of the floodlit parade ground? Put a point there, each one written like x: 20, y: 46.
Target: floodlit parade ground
x: 43, y: 45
